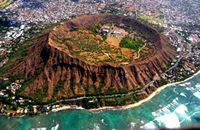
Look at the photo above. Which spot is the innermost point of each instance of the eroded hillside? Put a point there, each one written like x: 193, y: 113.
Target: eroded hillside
x: 57, y: 73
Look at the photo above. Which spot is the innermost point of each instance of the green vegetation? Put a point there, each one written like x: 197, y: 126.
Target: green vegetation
x: 162, y: 82
x: 72, y: 85
x: 127, y: 28
x: 159, y: 19
x: 3, y: 84
x: 127, y: 42
x: 5, y: 3
x: 155, y: 26
x: 26, y: 82
x: 38, y: 95
x: 17, y: 55
x: 3, y: 25
x: 58, y: 87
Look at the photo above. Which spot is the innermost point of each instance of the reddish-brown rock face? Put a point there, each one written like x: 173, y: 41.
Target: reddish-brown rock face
x: 49, y: 62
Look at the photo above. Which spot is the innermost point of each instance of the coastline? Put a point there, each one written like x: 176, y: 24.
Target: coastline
x: 66, y: 107
x: 130, y: 105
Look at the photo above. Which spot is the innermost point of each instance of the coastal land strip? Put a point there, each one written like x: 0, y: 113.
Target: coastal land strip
x: 126, y: 106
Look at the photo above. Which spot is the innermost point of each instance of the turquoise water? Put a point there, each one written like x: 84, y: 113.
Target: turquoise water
x: 175, y: 106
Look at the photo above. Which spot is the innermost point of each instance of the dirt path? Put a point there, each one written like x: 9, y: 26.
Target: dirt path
x: 138, y: 55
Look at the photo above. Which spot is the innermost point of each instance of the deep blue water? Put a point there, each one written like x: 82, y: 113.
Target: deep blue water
x: 175, y: 106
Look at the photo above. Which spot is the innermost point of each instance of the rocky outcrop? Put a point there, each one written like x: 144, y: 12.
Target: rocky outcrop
x: 49, y: 63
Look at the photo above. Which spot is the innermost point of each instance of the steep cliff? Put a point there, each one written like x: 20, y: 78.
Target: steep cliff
x: 51, y: 65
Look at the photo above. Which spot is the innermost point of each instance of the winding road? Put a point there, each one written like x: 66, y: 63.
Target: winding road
x: 125, y: 94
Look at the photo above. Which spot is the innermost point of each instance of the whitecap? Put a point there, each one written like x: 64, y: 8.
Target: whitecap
x: 169, y: 120
x: 184, y: 84
x: 96, y: 126
x: 132, y: 125
x: 175, y: 101
x: 187, y: 83
x: 153, y: 113
x: 182, y: 94
x: 149, y: 125
x: 187, y: 88
x: 190, y: 89
x: 161, y: 112
x: 55, y: 127
x: 103, y: 122
x: 174, y: 90
x: 165, y: 110
x: 43, y: 128
x: 182, y: 109
x: 197, y: 85
x: 197, y: 94
x: 188, y: 118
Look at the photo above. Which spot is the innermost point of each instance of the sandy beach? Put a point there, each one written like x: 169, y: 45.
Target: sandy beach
x: 61, y: 108
x: 157, y: 91
x: 131, y: 105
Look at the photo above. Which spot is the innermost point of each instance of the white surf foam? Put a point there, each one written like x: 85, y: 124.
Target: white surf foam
x: 197, y: 85
x: 187, y: 83
x: 132, y: 125
x: 184, y: 84
x: 55, y: 127
x: 182, y: 109
x: 197, y: 94
x: 190, y: 89
x: 169, y: 120
x: 161, y: 112
x: 96, y: 126
x: 188, y: 118
x: 42, y: 128
x: 175, y: 101
x: 149, y: 125
x: 174, y: 90
x: 182, y: 94
x: 103, y: 121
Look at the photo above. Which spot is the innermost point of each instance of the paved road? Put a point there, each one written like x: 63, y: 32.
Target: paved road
x: 129, y: 93
x: 117, y: 95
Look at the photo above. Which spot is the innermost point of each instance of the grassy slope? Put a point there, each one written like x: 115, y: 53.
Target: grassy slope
x: 5, y: 3
x: 152, y: 18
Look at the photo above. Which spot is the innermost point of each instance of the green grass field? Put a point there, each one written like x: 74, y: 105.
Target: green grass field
x: 5, y: 3
x: 152, y: 18
x: 127, y: 42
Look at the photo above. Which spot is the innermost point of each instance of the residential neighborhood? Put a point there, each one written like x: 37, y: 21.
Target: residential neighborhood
x: 180, y: 26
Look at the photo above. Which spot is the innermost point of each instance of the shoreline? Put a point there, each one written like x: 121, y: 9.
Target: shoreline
x: 74, y: 107
x: 126, y: 106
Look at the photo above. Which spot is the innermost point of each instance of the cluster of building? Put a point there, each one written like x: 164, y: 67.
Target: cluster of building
x: 9, y: 93
x: 175, y: 15
x: 14, y: 35
x: 186, y: 67
x: 7, y: 42
x: 13, y: 87
x: 175, y: 12
x: 4, y: 61
x: 113, y: 31
x: 50, y: 11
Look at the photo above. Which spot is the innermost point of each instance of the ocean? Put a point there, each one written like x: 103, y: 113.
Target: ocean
x: 173, y: 107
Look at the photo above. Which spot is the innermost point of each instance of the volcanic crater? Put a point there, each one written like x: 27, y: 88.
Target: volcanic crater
x: 76, y: 59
